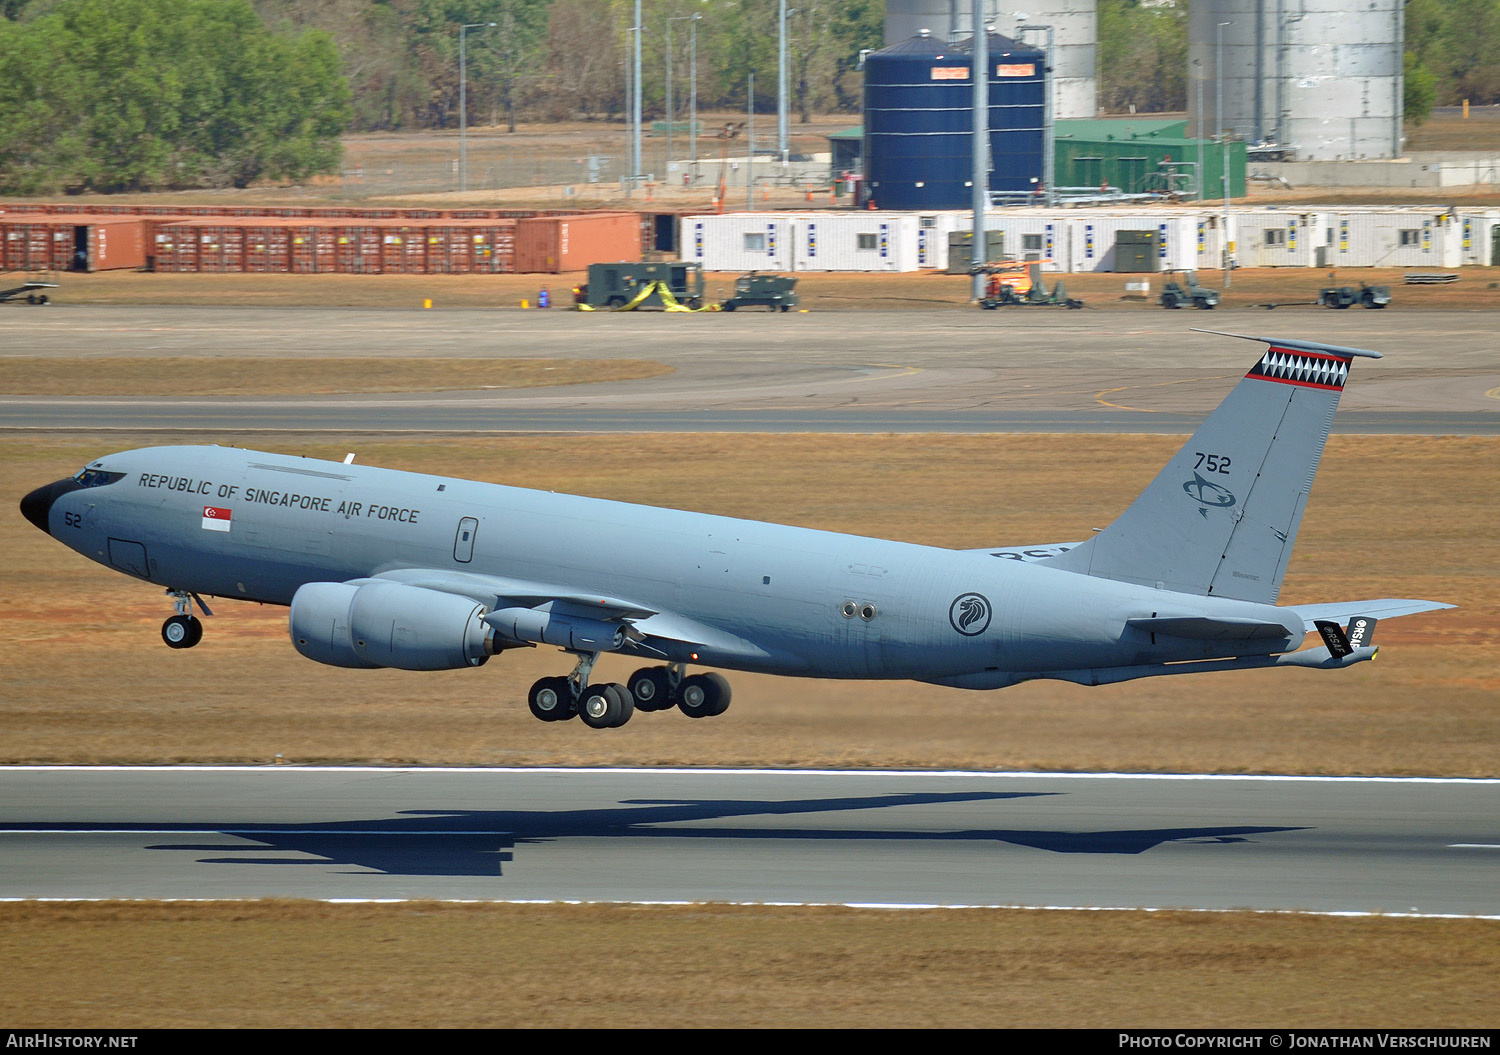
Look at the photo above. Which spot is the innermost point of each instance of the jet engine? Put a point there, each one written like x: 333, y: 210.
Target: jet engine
x: 387, y: 624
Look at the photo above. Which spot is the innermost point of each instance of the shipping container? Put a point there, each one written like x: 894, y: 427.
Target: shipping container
x: 312, y: 246
x: 356, y: 249
x: 552, y: 244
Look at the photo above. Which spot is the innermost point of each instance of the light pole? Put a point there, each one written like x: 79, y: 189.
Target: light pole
x: 781, y: 130
x: 1198, y: 76
x: 750, y: 148
x: 667, y: 168
x: 635, y: 105
x: 693, y: 109
x: 979, y: 173
x: 1049, y: 143
x: 1223, y: 141
x: 463, y: 103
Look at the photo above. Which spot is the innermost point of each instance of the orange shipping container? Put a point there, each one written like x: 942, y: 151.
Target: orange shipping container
x: 121, y: 244
x: 552, y: 244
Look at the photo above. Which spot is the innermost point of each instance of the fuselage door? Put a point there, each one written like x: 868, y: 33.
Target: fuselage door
x: 463, y: 541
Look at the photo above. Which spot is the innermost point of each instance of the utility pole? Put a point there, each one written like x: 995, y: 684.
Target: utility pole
x: 463, y: 102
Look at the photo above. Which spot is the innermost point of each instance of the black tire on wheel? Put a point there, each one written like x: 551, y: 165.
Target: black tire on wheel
x: 31, y: 298
x: 43, y: 299
x: 729, y: 305
x: 696, y: 303
x: 182, y: 631
x: 786, y: 307
x: 651, y: 689
x: 606, y: 706
x: 616, y: 302
x: 551, y: 700
x: 703, y: 695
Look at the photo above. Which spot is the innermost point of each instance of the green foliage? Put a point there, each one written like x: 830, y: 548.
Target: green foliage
x: 1142, y: 57
x: 1419, y: 90
x: 1455, y: 41
x: 135, y: 94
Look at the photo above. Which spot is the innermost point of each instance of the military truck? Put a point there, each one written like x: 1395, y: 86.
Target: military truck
x: 776, y: 292
x: 1184, y: 291
x: 620, y: 285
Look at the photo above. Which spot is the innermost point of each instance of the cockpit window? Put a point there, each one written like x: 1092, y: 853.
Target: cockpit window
x: 97, y: 478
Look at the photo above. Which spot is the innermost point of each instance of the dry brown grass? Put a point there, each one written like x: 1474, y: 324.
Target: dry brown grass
x: 131, y: 966
x: 190, y: 376
x: 1477, y: 289
x: 1391, y: 516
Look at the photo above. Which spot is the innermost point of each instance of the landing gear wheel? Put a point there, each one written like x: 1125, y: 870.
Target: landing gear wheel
x: 651, y: 689
x: 182, y: 631
x: 606, y: 706
x: 551, y: 700
x: 703, y: 695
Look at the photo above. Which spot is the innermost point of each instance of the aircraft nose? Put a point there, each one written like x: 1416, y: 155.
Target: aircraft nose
x: 37, y: 506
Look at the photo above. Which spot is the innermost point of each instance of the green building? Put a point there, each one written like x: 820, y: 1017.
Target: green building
x: 1139, y: 156
x: 1129, y: 154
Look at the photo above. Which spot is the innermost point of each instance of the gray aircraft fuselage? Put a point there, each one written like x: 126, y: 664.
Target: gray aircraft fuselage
x: 729, y: 593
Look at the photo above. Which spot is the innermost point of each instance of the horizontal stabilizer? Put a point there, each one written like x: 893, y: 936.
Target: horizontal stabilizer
x: 1213, y: 628
x: 1343, y: 612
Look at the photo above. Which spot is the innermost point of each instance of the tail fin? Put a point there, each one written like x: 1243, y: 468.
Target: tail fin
x: 1221, y: 517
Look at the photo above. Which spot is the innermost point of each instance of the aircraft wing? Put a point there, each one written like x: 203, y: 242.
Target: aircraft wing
x: 1343, y: 611
x: 500, y: 592
x: 641, y: 623
x: 1026, y: 553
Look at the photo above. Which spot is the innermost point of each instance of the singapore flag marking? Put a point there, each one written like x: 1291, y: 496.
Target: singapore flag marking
x: 215, y: 519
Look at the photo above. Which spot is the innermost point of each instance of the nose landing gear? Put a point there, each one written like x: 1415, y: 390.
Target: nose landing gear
x: 184, y: 630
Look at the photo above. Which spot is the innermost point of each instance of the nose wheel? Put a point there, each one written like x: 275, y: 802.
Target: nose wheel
x: 184, y: 630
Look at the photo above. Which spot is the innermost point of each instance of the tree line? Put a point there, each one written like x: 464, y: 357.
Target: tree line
x: 133, y: 94
x: 115, y: 95
x: 569, y: 59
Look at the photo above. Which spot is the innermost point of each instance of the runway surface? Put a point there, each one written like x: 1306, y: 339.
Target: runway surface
x: 907, y: 371
x: 1344, y: 845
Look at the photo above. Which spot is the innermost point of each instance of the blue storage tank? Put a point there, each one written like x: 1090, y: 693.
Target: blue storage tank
x: 919, y: 105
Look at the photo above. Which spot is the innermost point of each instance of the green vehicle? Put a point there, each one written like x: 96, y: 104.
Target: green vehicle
x: 771, y: 291
x: 617, y: 286
x: 1185, y: 291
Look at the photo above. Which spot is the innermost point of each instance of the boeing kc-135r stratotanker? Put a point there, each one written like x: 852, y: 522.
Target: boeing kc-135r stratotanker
x: 395, y: 569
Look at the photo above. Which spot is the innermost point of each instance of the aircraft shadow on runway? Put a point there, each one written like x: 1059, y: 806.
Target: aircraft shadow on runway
x: 480, y: 842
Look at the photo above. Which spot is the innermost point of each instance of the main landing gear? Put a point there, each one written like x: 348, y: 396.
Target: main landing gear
x: 611, y: 705
x: 184, y: 630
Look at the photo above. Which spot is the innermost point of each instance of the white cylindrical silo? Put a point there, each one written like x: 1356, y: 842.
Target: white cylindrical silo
x: 1319, y: 78
x: 1075, y: 33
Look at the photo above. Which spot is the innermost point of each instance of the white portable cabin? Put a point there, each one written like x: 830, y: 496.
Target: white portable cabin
x: 831, y: 241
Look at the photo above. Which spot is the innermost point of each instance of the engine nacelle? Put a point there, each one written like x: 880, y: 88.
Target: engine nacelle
x: 579, y: 633
x: 387, y: 624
